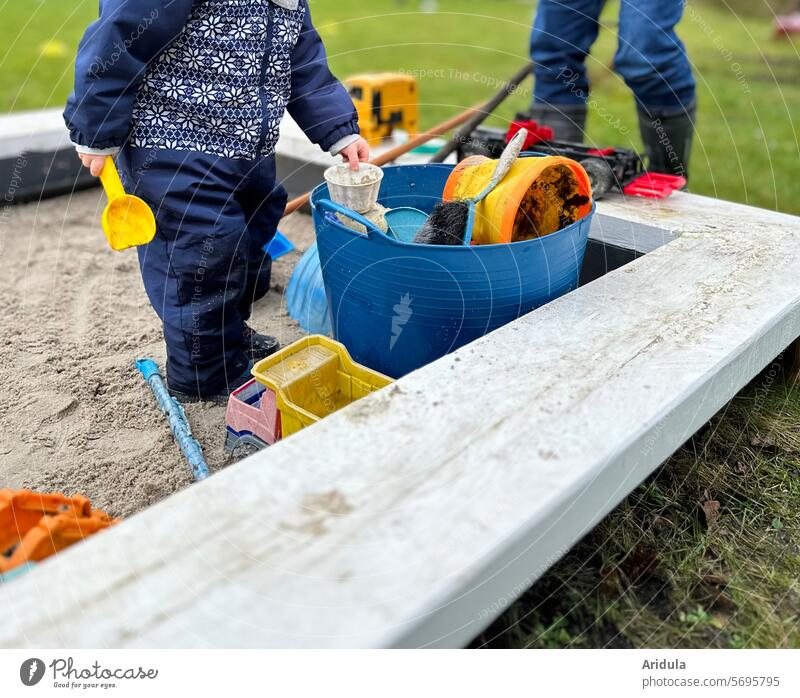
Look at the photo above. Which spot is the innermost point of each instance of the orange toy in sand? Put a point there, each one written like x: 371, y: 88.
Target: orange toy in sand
x: 35, y: 526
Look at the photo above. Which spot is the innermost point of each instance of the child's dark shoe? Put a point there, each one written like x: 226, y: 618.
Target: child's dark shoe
x: 259, y: 346
x: 220, y: 398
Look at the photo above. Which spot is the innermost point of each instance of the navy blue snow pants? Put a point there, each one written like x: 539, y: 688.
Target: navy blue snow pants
x: 206, y: 265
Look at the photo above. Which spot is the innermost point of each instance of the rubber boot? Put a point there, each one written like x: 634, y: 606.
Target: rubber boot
x: 568, y: 121
x: 219, y: 398
x: 667, y: 138
x: 259, y: 346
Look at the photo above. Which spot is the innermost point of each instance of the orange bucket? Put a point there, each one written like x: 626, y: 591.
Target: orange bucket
x: 537, y: 197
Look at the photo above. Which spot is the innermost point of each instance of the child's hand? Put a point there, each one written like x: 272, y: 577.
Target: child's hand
x: 93, y: 162
x: 357, y: 151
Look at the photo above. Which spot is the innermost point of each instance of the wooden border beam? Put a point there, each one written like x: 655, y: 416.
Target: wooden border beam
x: 415, y: 516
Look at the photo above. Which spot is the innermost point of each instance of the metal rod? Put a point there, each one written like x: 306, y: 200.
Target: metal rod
x: 476, y: 120
x: 190, y: 447
x: 402, y: 149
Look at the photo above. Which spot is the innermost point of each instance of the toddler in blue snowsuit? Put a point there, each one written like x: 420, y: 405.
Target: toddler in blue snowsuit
x: 190, y: 94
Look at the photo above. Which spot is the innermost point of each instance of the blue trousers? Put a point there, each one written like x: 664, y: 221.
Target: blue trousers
x: 650, y: 57
x: 206, y: 265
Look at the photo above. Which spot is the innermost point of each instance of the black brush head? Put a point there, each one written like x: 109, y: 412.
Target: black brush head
x: 447, y: 224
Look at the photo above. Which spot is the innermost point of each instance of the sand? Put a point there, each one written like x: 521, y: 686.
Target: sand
x: 76, y: 416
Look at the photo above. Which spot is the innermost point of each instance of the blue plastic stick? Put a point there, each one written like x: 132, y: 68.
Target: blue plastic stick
x: 191, y: 449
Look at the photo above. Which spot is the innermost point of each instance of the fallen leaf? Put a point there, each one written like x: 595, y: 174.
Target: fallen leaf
x: 640, y: 563
x: 711, y: 510
x: 759, y: 441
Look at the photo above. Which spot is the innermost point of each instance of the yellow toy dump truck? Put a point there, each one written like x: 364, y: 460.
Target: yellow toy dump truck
x: 384, y: 101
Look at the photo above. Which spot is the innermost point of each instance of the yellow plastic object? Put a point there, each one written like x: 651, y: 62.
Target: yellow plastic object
x: 312, y: 378
x: 384, y: 101
x: 534, y: 199
x: 53, y: 49
x: 127, y: 219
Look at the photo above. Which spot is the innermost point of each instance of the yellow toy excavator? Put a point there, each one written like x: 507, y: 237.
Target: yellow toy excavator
x: 384, y: 101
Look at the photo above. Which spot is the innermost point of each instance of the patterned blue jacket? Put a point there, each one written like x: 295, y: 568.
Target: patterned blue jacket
x: 213, y: 76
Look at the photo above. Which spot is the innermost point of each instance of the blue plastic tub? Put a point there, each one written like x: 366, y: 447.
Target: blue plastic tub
x: 305, y: 295
x: 397, y: 306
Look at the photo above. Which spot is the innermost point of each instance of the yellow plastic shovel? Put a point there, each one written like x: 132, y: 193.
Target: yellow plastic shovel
x: 127, y: 219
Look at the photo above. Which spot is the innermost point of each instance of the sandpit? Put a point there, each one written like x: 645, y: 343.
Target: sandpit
x: 76, y: 415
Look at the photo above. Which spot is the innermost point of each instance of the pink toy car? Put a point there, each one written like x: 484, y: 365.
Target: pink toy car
x: 252, y: 420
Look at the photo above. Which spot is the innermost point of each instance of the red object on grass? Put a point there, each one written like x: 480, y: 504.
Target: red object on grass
x: 536, y: 133
x: 654, y: 185
x: 786, y: 25
x: 603, y: 151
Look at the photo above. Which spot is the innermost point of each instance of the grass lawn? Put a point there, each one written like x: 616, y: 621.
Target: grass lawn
x: 749, y: 86
x: 705, y: 553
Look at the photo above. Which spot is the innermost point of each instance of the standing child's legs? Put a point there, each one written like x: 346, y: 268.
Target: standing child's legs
x: 653, y: 62
x: 563, y: 34
x: 651, y: 58
x: 196, y: 270
x: 263, y: 203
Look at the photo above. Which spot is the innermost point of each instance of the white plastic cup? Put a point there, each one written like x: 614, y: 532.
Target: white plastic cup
x: 355, y: 189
